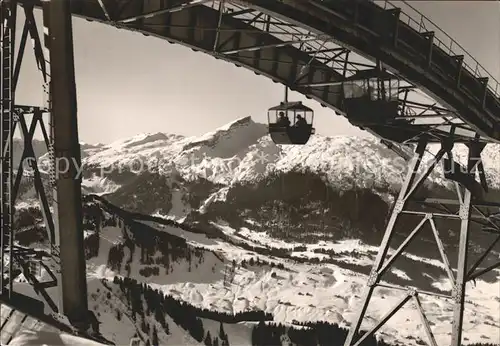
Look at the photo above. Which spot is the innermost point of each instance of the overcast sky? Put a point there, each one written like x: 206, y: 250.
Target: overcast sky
x: 128, y: 83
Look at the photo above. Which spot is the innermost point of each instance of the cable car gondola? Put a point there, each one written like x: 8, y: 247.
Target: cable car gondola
x: 290, y: 123
x: 370, y: 99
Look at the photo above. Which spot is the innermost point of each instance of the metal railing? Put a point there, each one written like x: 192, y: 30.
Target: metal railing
x: 421, y: 24
x: 444, y: 41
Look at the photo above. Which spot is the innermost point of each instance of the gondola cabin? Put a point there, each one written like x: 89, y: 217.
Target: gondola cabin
x: 370, y: 99
x: 290, y: 123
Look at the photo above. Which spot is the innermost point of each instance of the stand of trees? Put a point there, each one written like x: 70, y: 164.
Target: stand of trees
x: 311, y: 334
x: 143, y: 300
x: 188, y: 316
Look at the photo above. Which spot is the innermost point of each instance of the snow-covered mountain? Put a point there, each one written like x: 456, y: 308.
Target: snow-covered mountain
x: 141, y: 268
x: 243, y: 152
x: 230, y: 222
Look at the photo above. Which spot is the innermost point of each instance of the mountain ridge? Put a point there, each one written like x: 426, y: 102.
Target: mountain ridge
x: 259, y: 226
x: 238, y: 269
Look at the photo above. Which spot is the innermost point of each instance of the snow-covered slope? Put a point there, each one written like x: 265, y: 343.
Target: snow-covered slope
x: 290, y: 230
x: 28, y: 337
x: 243, y: 270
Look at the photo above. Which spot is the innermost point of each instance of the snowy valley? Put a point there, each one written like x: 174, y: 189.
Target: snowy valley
x: 227, y: 239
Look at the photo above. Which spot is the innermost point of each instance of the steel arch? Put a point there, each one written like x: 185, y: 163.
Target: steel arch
x: 243, y: 35
x: 281, y: 39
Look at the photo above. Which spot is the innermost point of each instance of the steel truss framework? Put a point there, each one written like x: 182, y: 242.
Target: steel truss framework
x: 242, y: 33
x: 326, y: 66
x: 315, y: 64
x: 468, y: 208
x: 18, y: 257
x: 63, y: 260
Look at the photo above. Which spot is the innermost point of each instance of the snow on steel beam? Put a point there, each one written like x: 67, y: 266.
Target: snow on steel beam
x: 29, y: 109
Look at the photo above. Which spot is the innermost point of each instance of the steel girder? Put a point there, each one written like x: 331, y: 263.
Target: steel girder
x: 65, y: 148
x: 466, y: 209
x: 7, y: 32
x: 308, y: 57
x: 14, y: 258
x: 314, y: 64
x: 248, y: 34
x: 63, y: 260
x: 378, y: 32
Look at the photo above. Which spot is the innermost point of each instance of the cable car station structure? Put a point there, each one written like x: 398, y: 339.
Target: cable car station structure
x: 388, y: 70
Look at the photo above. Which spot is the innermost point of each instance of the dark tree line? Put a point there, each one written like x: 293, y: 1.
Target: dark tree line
x: 115, y: 257
x: 92, y: 216
x: 145, y: 301
x: 148, y: 271
x: 261, y: 262
x: 184, y: 307
x: 183, y: 314
x: 152, y: 240
x: 91, y: 245
x: 129, y: 215
x: 314, y: 334
x: 156, y: 249
x: 153, y: 247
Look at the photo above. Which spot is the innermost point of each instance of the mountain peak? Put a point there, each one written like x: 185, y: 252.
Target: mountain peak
x: 144, y: 139
x: 230, y: 139
x: 244, y: 121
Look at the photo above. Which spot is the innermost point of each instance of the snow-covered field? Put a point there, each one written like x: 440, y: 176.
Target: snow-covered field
x: 240, y: 272
x: 306, y: 292
x: 30, y: 337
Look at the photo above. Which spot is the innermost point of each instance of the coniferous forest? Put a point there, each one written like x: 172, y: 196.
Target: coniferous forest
x: 142, y: 299
x: 265, y: 333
